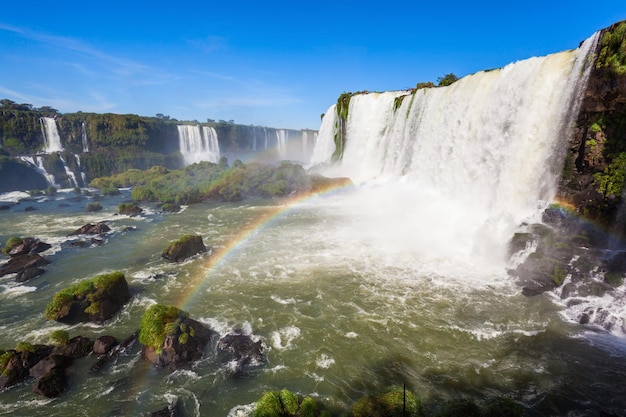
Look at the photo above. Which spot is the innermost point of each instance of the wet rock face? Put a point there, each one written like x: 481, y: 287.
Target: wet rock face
x: 186, y: 343
x: 91, y: 229
x: 243, y: 352
x: 183, y: 248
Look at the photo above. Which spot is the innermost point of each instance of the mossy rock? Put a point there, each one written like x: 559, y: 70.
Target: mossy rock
x: 391, y: 403
x: 183, y: 248
x: 170, y: 338
x: 95, y: 300
x: 129, y: 209
x: 285, y: 404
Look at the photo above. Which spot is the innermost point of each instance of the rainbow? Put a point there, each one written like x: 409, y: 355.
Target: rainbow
x: 326, y: 187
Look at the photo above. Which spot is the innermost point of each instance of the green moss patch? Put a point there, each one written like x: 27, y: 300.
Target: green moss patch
x: 159, y: 321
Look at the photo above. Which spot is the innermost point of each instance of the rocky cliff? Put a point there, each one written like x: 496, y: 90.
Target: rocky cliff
x: 595, y: 167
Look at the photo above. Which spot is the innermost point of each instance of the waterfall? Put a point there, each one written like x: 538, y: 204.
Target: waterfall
x: 51, y: 138
x: 464, y: 164
x: 70, y: 175
x: 281, y: 143
x: 266, y: 139
x: 37, y: 164
x: 254, y: 139
x: 84, y: 138
x: 83, y: 176
x: 198, y: 144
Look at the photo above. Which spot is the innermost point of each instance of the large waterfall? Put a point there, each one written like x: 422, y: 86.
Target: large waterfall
x: 465, y: 164
x: 198, y: 143
x: 52, y: 140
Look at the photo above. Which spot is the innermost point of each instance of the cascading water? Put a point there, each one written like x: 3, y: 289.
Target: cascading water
x: 464, y: 164
x: 281, y: 143
x: 52, y: 140
x: 84, y: 138
x: 70, y: 175
x: 198, y: 144
x: 37, y: 164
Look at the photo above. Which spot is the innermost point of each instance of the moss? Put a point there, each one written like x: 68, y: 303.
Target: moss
x: 308, y: 408
x: 343, y: 105
x: 157, y: 322
x: 24, y: 347
x: 183, y: 338
x: 613, y: 278
x: 612, y: 54
x: 610, y: 182
x: 558, y: 275
x: 12, y: 243
x: 269, y: 405
x: 391, y: 403
x: 289, y: 401
x: 60, y: 337
x: 90, y: 290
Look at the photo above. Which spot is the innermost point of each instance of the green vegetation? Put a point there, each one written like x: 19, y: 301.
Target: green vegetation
x: 92, y: 207
x: 389, y: 404
x: 60, y: 337
x: 12, y: 243
x: 286, y: 404
x: 343, y: 105
x: 612, y: 54
x: 209, y: 181
x: 446, y: 80
x: 24, y: 347
x: 89, y: 292
x: 161, y: 320
x: 610, y: 181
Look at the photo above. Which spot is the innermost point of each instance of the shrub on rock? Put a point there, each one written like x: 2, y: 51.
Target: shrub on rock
x: 170, y: 338
x: 95, y: 300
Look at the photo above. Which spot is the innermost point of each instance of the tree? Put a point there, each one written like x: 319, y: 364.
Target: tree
x: 446, y: 80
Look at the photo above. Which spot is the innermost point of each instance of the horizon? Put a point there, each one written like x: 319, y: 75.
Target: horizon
x: 277, y: 64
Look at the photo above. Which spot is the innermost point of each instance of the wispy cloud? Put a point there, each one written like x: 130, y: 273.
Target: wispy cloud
x: 93, y: 101
x: 209, y: 44
x: 116, y: 65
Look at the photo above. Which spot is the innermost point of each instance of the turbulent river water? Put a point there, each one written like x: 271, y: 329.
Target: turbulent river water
x: 342, y: 304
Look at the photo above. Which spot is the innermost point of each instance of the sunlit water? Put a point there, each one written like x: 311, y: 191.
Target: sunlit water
x: 343, y: 304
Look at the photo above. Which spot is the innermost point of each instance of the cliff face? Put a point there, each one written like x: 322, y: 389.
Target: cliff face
x: 96, y: 145
x: 595, y: 168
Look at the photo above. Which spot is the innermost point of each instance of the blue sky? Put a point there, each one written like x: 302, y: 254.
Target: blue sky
x: 271, y: 63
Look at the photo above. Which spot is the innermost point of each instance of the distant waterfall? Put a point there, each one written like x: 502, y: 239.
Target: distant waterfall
x: 37, y: 164
x: 84, y: 138
x: 52, y: 140
x: 70, y: 175
x: 281, y: 142
x: 473, y: 159
x: 198, y: 144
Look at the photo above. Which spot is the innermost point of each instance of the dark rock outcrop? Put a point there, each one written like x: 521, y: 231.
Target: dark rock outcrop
x: 100, y: 228
x: 104, y: 344
x: 185, y: 247
x: 186, y: 343
x: 52, y: 384
x: 130, y: 209
x: 244, y: 351
x: 29, y: 246
x: 112, y: 354
x: 172, y: 410
x: 95, y: 300
x: 21, y: 263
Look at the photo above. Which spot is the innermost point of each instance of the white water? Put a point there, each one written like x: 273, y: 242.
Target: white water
x: 69, y: 173
x: 84, y: 138
x: 281, y: 143
x: 454, y: 170
x: 198, y: 144
x: 52, y: 140
x: 37, y: 163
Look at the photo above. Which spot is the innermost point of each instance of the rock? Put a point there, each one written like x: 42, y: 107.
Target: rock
x: 30, y: 208
x: 95, y: 301
x: 49, y: 363
x: 104, y: 344
x: 129, y: 209
x: 29, y: 245
x: 172, y: 410
x: 13, y: 372
x: 185, y: 247
x: 77, y: 347
x: 112, y: 354
x: 243, y: 350
x: 52, y: 384
x: 29, y: 273
x: 22, y: 262
x: 91, y: 229
x: 185, y: 344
